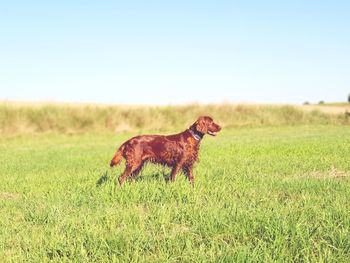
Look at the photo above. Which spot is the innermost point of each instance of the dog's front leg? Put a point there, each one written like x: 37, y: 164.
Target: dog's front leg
x: 174, y: 171
x: 188, y: 172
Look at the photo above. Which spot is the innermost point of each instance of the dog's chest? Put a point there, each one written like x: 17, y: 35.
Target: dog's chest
x: 191, y: 150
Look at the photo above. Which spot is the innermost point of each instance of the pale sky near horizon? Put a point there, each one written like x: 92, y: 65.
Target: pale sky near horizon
x: 168, y: 52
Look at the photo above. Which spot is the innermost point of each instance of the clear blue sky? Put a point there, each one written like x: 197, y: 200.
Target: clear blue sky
x: 168, y: 52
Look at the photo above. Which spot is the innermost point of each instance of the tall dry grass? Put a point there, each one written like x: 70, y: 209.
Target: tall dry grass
x: 18, y: 118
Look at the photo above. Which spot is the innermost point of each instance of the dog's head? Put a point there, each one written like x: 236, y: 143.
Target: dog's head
x: 205, y: 125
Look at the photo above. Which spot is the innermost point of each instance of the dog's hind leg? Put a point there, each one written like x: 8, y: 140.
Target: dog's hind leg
x: 130, y: 169
x: 137, y: 171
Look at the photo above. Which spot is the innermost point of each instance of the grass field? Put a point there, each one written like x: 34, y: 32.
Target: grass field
x: 261, y: 194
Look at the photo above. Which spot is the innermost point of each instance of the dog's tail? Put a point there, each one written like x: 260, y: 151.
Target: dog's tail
x: 117, y: 156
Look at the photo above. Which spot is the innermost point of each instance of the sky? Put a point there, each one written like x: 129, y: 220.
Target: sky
x: 175, y: 52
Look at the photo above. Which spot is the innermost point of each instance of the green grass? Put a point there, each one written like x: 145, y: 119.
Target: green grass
x: 261, y: 194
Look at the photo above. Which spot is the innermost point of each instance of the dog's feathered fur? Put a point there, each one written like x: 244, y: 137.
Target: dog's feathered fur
x: 178, y: 151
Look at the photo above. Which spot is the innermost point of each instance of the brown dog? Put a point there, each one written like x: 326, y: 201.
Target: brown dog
x: 178, y: 151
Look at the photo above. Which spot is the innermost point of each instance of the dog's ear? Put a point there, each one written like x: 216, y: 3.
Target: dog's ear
x: 201, y: 125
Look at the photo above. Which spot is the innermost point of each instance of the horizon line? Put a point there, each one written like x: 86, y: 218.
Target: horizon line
x: 57, y: 102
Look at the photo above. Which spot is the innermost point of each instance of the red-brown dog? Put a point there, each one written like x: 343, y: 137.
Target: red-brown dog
x: 178, y: 151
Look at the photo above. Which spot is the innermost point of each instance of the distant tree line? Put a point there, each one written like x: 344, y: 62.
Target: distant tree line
x: 322, y: 102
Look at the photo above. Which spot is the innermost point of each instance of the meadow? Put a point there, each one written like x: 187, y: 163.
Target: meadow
x: 273, y: 186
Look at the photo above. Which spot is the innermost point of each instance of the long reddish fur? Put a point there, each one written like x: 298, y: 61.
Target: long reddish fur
x: 178, y: 151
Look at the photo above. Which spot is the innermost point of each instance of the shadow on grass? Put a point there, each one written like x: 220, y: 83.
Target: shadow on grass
x: 157, y: 176
x: 154, y: 176
x: 103, y: 179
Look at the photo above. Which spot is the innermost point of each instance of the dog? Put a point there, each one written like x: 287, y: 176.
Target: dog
x: 178, y: 151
